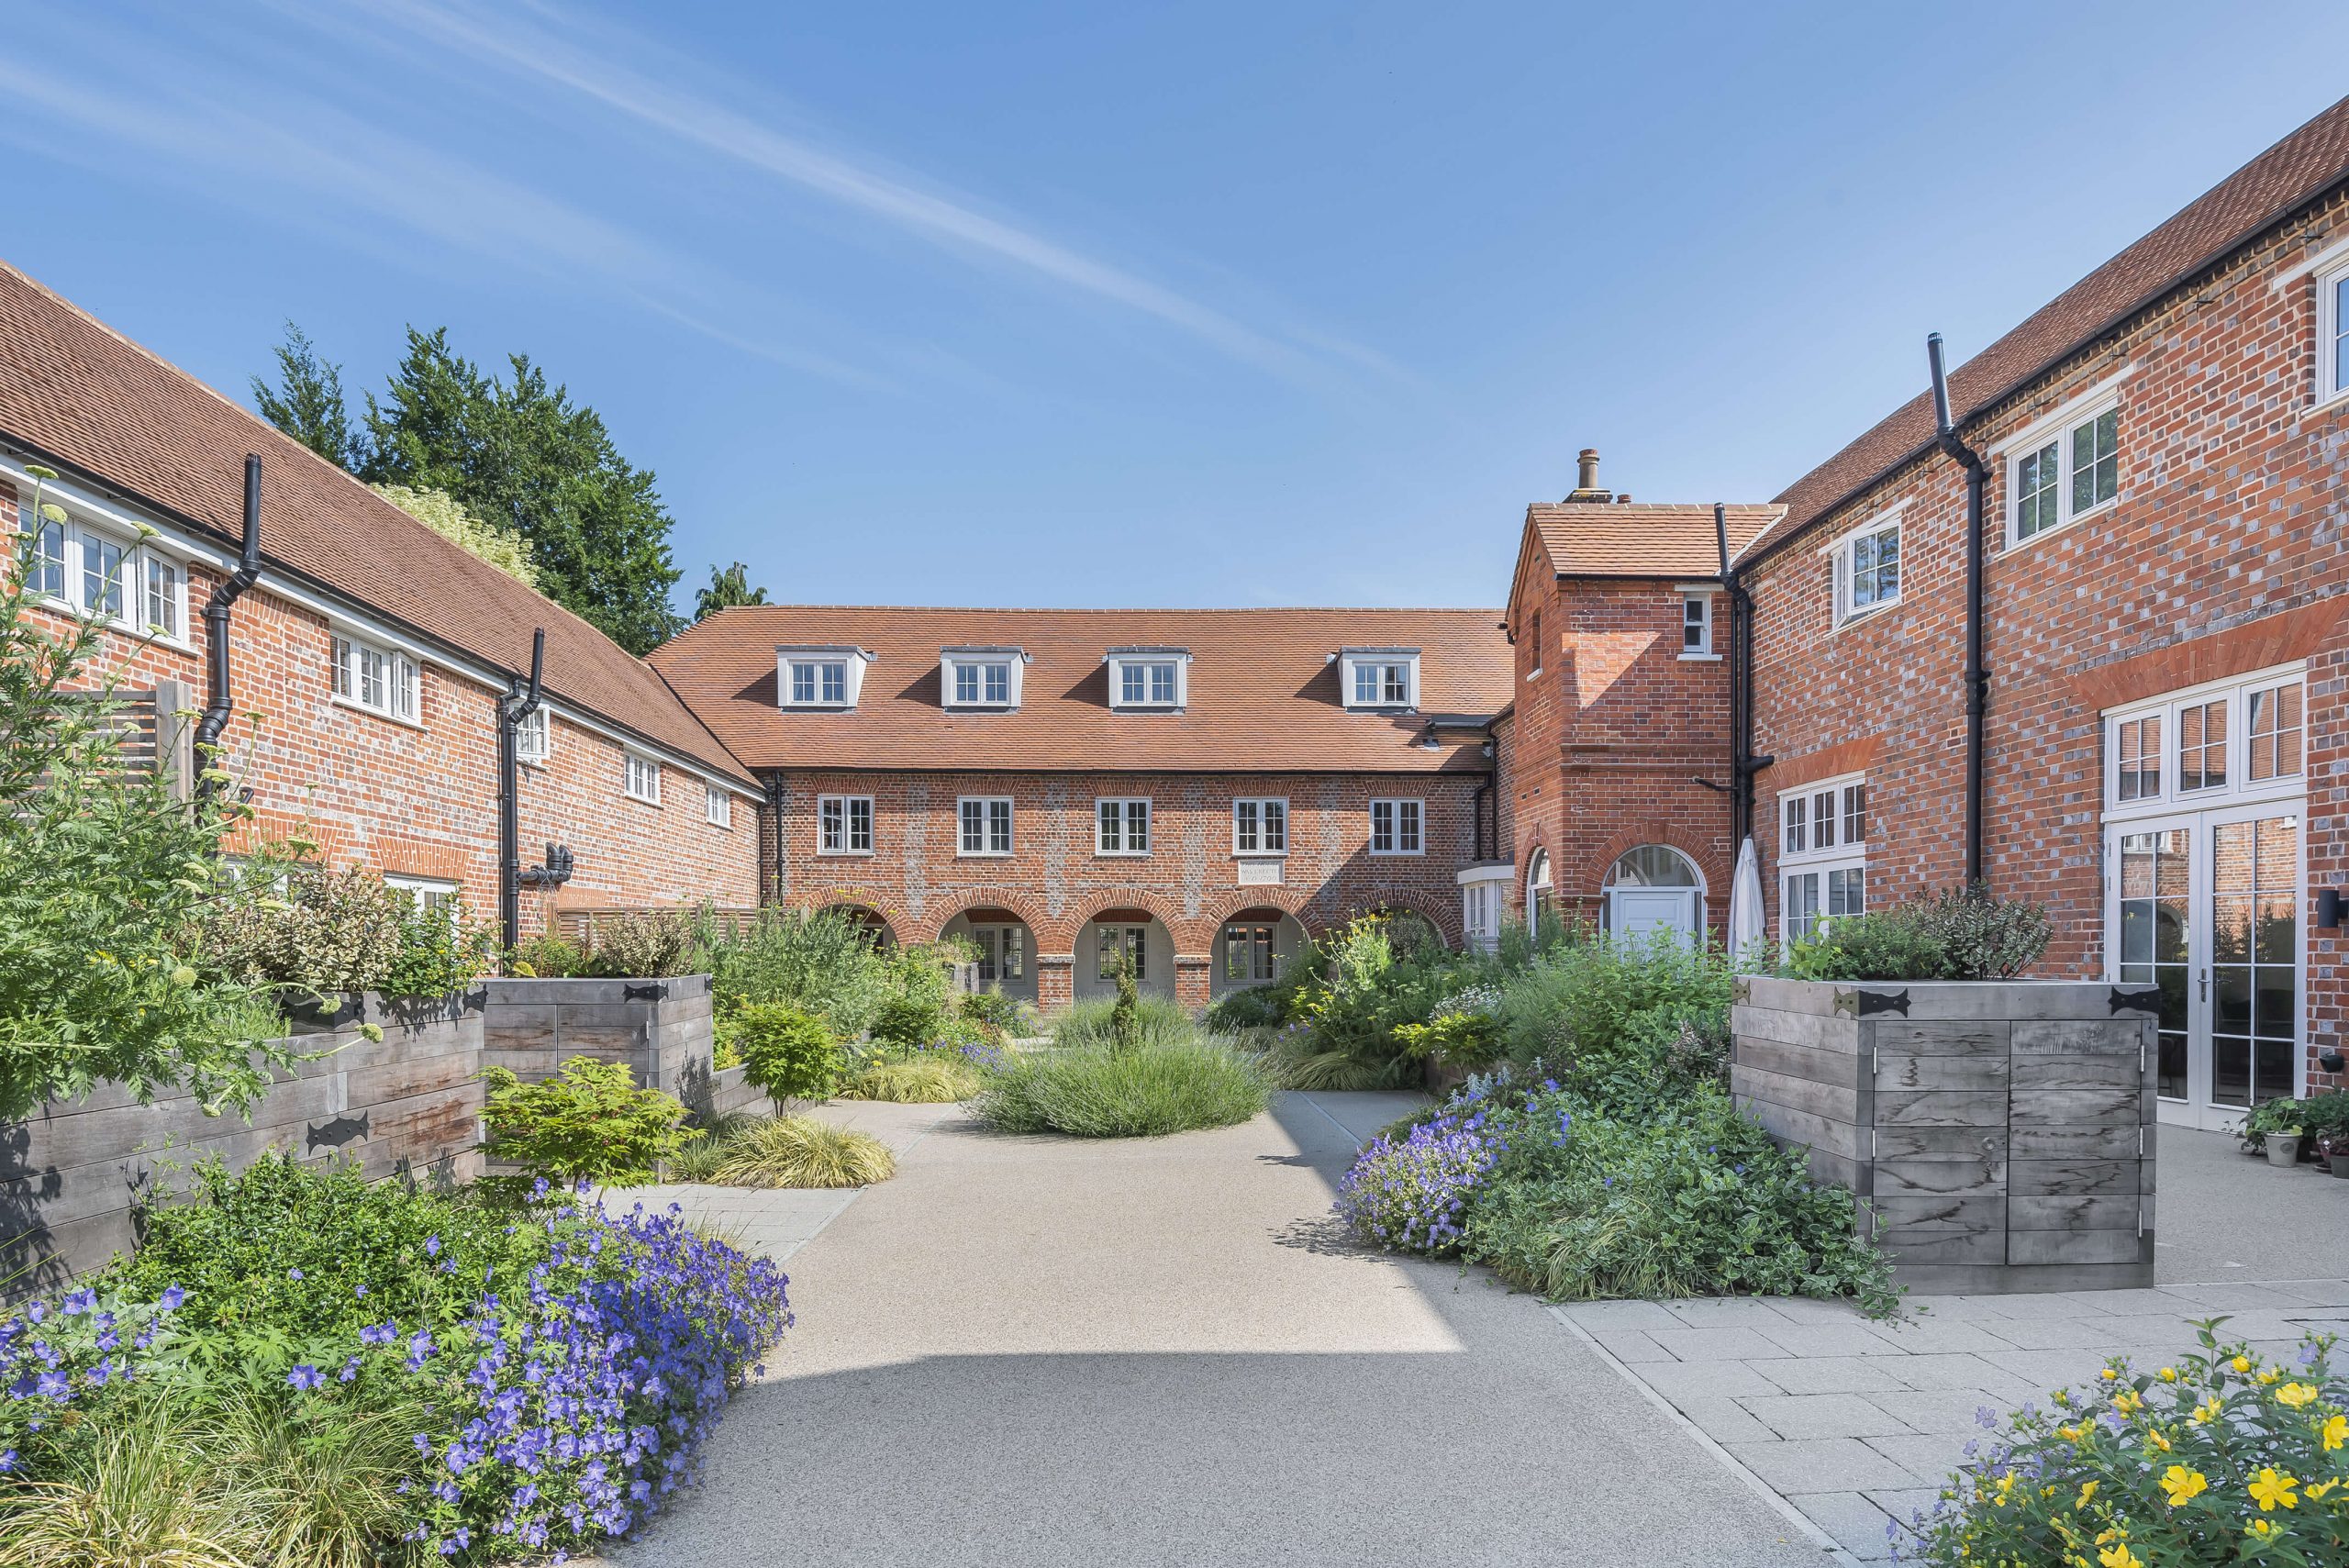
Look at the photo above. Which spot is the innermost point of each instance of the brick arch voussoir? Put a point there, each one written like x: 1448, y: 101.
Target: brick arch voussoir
x: 892, y: 915
x: 1444, y: 919
x: 1591, y: 874
x: 944, y: 904
x: 1167, y: 911
x: 1299, y: 903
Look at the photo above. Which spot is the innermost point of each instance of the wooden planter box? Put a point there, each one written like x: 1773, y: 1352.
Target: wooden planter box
x: 660, y: 1028
x: 1999, y: 1135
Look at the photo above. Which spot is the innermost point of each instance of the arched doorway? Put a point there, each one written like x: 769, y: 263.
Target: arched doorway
x: 1135, y: 934
x: 1007, y: 949
x: 1254, y: 948
x: 874, y: 924
x: 1653, y: 888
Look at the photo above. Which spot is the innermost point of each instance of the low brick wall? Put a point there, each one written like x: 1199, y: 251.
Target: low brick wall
x: 660, y: 1028
x: 1999, y: 1135
x: 71, y: 1176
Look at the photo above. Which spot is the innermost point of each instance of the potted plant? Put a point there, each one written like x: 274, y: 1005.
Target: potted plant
x: 2276, y: 1127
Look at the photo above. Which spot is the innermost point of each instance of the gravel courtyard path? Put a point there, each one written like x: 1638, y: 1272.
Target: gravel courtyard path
x: 1049, y: 1352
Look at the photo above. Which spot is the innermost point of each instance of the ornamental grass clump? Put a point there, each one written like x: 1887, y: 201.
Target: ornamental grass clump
x: 931, y: 1078
x: 2219, y: 1458
x: 802, y: 1151
x: 1107, y: 1091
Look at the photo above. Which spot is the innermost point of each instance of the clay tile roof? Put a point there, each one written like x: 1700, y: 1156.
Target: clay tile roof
x: 75, y: 391
x: 1263, y: 694
x: 1639, y: 539
x: 2298, y: 169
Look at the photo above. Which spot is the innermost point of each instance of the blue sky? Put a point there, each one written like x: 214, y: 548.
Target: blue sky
x: 1216, y: 303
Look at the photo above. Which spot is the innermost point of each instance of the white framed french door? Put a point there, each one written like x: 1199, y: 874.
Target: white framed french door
x: 2205, y: 907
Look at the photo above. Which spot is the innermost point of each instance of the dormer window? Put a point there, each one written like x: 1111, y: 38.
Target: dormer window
x: 1145, y: 678
x: 1379, y: 677
x: 820, y: 677
x: 980, y: 677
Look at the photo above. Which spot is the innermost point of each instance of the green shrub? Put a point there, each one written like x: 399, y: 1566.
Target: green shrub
x: 324, y: 932
x: 545, y: 957
x: 994, y: 1014
x: 802, y: 1151
x: 1463, y: 1034
x: 2219, y: 1458
x: 1159, y: 1020
x: 824, y: 960
x: 1125, y: 1013
x: 902, y: 1020
x: 314, y: 1249
x: 440, y: 951
x: 1959, y: 935
x: 787, y: 1051
x: 934, y: 1078
x: 588, y: 1123
x: 2327, y: 1112
x: 1611, y: 1011
x: 1254, y: 1007
x: 1101, y: 1091
x: 644, y: 944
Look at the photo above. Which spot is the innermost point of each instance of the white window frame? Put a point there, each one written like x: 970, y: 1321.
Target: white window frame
x: 819, y: 660
x: 2241, y: 788
x: 718, y: 807
x: 1407, y: 826
x: 1147, y: 662
x: 2057, y: 429
x: 1840, y: 557
x: 430, y: 893
x: 402, y: 698
x: 643, y: 786
x: 1353, y: 662
x: 1126, y: 810
x: 1260, y: 827
x: 952, y: 661
x: 988, y: 818
x: 534, y: 737
x: 2330, y: 385
x: 76, y: 536
x: 1697, y: 597
x: 840, y: 811
x: 1841, y: 859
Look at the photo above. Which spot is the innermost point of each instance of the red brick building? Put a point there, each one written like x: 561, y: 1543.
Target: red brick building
x: 367, y: 660
x: 2162, y: 459
x: 1201, y: 788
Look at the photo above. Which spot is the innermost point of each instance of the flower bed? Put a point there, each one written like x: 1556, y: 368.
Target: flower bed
x: 545, y: 1375
x: 2221, y: 1458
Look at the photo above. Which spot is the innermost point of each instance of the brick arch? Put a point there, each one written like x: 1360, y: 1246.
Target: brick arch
x: 1591, y: 874
x: 871, y: 899
x: 1523, y: 867
x: 943, y: 905
x: 1084, y: 906
x: 1299, y: 903
x: 1445, y: 918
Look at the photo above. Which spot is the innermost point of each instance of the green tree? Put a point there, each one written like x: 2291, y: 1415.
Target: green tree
x: 307, y: 403
x: 447, y: 516
x: 524, y: 458
x: 729, y: 586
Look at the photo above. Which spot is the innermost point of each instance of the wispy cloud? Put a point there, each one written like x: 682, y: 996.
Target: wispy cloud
x: 689, y: 113
x: 329, y: 163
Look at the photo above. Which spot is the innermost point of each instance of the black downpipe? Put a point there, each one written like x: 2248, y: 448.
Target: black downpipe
x: 1978, y: 675
x: 518, y: 703
x: 1742, y: 763
x: 218, y: 705
x: 1476, y: 815
x: 776, y: 789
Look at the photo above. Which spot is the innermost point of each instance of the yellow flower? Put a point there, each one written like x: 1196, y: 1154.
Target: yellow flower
x: 2128, y: 1404
x: 2072, y: 1434
x: 2207, y: 1411
x: 2260, y: 1530
x: 2110, y: 1374
x: 2271, y: 1374
x: 2157, y: 1440
x: 2334, y: 1432
x: 2241, y: 1363
x: 2295, y: 1395
x: 2117, y: 1555
x: 2273, y: 1486
x: 2087, y: 1490
x: 2322, y: 1487
x: 2183, y: 1485
x: 2168, y: 1374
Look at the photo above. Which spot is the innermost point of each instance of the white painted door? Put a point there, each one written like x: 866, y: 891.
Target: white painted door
x: 1637, y: 913
x: 2204, y: 907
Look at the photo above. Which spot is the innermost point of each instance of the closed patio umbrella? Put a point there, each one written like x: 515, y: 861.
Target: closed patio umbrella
x: 1747, y: 922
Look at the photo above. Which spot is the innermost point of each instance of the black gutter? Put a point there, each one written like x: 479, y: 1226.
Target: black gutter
x: 1742, y: 763
x: 218, y: 705
x: 776, y: 788
x: 1978, y: 677
x: 518, y: 703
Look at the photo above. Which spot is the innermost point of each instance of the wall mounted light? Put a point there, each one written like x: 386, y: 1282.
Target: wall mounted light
x: 2328, y: 909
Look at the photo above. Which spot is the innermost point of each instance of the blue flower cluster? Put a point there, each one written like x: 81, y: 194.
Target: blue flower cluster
x: 1412, y: 1194
x: 55, y: 1356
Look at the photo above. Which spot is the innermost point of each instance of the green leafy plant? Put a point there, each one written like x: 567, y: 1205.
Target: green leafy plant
x: 1162, y: 1021
x: 1145, y: 1091
x: 1125, y: 1013
x: 824, y: 960
x: 1962, y: 934
x: 994, y: 1014
x: 440, y: 951
x: 545, y: 957
x: 2222, y: 1457
x: 1464, y: 1034
x: 644, y: 944
x: 802, y: 1151
x: 908, y: 1020
x: 320, y: 930
x: 1254, y: 1007
x: 789, y: 1052
x: 588, y: 1123
x: 109, y: 880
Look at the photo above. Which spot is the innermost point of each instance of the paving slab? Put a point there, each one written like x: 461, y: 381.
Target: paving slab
x: 1835, y: 1464
x: 1058, y: 1353
x: 1726, y: 1344
x: 1832, y: 1374
x: 1795, y: 1416
x: 1856, y: 1521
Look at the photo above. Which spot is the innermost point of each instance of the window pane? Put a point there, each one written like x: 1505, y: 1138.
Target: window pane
x: 2096, y: 461
x: 101, y: 576
x: 999, y: 827
x: 1398, y: 685
x: 975, y: 827
x: 1822, y: 820
x: 1275, y: 826
x: 1129, y: 682
x: 803, y: 682
x: 1162, y: 683
x: 1888, y: 566
x: 998, y: 683
x: 2036, y: 480
x: 1798, y: 825
x: 1137, y: 827
x: 836, y: 683
x: 829, y: 827
x: 860, y: 825
x: 1382, y: 825
x: 162, y: 596
x: 1105, y: 835
x: 966, y: 683
x: 2202, y: 746
x: 1856, y: 813
x: 1243, y: 827
x: 48, y: 576
x: 1408, y: 826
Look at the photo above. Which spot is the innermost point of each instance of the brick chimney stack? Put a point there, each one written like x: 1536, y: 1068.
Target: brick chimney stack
x: 1586, y: 488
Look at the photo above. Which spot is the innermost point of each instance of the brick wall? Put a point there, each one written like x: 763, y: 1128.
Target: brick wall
x: 420, y: 799
x: 2222, y: 555
x: 1610, y: 734
x: 916, y: 880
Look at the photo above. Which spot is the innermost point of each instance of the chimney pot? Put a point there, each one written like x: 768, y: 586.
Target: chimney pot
x: 1588, y: 463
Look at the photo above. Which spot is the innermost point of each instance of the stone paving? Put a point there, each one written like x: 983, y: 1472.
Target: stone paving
x: 1857, y: 1423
